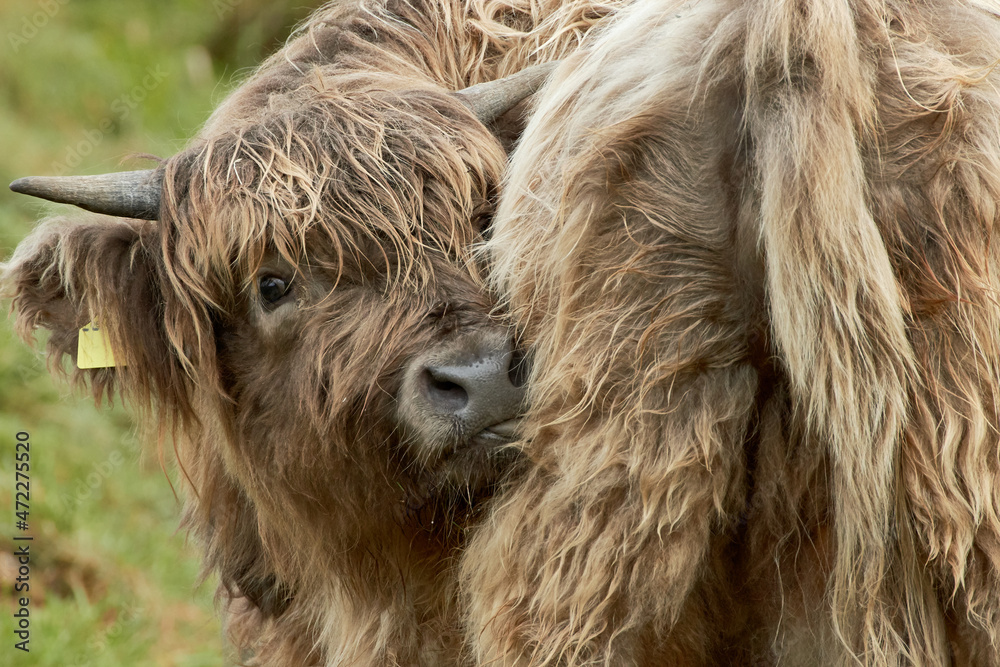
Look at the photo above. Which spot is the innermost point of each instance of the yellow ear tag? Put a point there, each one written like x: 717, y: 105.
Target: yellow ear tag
x: 94, y: 349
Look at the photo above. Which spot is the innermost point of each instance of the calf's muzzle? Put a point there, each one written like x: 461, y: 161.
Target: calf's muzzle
x: 481, y: 389
x: 467, y: 390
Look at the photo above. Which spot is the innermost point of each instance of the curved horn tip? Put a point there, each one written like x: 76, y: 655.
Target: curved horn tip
x: 491, y: 99
x: 126, y: 194
x: 21, y: 186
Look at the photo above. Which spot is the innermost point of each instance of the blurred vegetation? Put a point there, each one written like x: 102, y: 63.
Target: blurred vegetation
x: 85, y: 85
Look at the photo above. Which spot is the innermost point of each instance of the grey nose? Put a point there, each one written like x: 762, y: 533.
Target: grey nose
x: 479, y: 389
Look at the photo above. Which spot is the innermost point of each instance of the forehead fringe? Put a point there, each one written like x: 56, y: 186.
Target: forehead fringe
x: 382, y: 173
x: 402, y: 171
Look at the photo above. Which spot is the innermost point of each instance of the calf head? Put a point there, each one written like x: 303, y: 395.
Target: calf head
x: 305, y: 314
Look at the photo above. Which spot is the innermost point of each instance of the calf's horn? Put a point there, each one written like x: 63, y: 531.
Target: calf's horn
x: 492, y: 99
x: 126, y: 194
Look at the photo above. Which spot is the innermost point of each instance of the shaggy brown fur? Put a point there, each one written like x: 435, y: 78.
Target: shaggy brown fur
x: 347, y: 169
x: 750, y: 245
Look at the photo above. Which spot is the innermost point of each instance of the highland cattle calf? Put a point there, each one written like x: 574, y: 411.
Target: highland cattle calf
x: 751, y: 247
x: 293, y: 297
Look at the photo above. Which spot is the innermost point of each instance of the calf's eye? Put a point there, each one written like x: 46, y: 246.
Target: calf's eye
x: 273, y: 289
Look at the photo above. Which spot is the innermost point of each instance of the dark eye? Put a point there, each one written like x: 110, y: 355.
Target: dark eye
x: 273, y: 289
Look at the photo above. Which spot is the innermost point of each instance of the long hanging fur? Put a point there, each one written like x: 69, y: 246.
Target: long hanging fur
x: 346, y: 158
x: 750, y: 246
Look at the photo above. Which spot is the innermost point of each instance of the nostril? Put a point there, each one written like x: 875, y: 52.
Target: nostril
x: 443, y: 393
x: 517, y: 370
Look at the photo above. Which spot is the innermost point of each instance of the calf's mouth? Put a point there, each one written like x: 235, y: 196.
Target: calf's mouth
x: 501, y: 433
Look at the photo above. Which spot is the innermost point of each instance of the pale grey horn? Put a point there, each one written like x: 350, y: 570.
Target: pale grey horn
x: 126, y: 194
x: 492, y: 99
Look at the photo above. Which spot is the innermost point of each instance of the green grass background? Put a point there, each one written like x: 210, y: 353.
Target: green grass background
x: 113, y: 581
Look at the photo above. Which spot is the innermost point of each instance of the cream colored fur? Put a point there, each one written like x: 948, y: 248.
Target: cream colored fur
x: 751, y: 247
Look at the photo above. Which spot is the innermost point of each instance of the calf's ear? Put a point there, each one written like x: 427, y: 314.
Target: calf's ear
x: 71, y: 272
